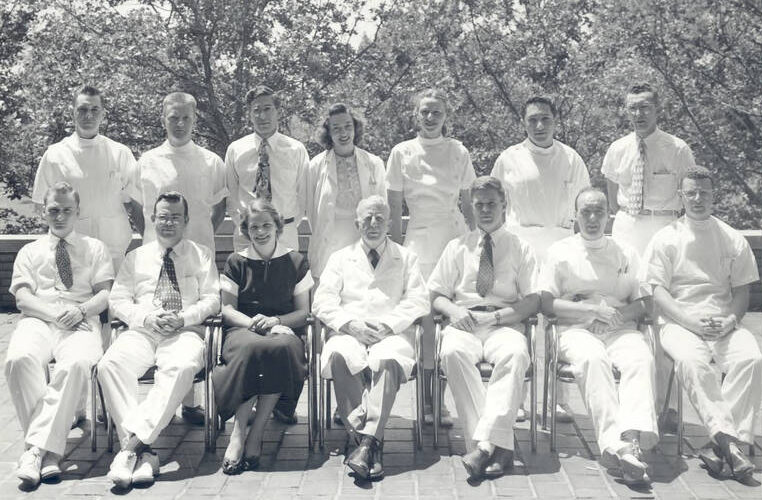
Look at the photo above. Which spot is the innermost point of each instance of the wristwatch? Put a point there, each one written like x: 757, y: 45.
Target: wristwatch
x: 497, y: 317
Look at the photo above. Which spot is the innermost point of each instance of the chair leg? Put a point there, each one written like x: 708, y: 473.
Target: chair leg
x: 310, y: 407
x: 545, y: 394
x: 109, y: 433
x: 679, y: 394
x: 93, y: 408
x: 321, y: 413
x: 533, y: 409
x: 553, y: 406
x: 436, y: 399
x: 328, y: 417
x: 419, y: 394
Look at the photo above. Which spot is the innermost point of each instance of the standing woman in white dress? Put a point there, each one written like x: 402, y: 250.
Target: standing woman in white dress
x: 338, y: 178
x: 432, y: 174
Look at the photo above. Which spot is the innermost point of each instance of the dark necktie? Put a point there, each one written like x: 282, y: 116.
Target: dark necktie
x: 485, y: 277
x: 167, y: 292
x: 63, y: 263
x: 262, y: 187
x: 373, y: 257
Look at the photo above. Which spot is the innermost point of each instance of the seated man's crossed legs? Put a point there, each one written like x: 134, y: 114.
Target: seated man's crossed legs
x: 366, y: 381
x: 178, y: 358
x: 46, y: 410
x: 728, y: 408
x: 624, y: 419
x: 488, y: 413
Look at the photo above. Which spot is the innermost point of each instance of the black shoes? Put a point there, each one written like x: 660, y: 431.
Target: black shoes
x: 194, y: 415
x: 500, y: 463
x: 283, y: 418
x: 367, y: 459
x: 475, y: 463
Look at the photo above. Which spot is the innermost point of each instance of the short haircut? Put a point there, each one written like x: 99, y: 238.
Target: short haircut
x: 696, y: 173
x: 181, y: 98
x: 539, y: 99
x: 261, y: 205
x: 61, y: 187
x: 433, y: 93
x: 337, y: 109
x: 642, y: 88
x: 87, y: 90
x: 372, y: 201
x: 262, y: 91
x: 589, y: 189
x: 485, y: 182
x: 172, y: 197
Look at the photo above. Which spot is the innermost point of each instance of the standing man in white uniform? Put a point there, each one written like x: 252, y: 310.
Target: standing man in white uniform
x: 484, y: 285
x: 61, y: 283
x: 163, y: 291
x: 99, y: 169
x: 542, y: 177
x: 181, y: 165
x: 267, y: 164
x: 701, y: 270
x: 597, y: 297
x: 370, y: 294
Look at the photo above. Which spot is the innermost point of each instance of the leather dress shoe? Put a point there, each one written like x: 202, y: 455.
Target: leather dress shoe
x: 500, y: 463
x: 475, y: 462
x: 194, y: 415
x: 376, y: 471
x: 361, y: 458
x: 634, y: 469
x: 741, y: 467
x: 713, y: 459
x: 285, y: 419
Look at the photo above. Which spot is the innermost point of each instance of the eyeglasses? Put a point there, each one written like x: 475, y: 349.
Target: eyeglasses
x: 701, y: 193
x: 166, y: 219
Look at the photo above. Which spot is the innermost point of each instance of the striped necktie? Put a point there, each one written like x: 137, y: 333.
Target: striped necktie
x: 635, y: 193
x: 167, y: 292
x: 63, y: 263
x: 373, y: 257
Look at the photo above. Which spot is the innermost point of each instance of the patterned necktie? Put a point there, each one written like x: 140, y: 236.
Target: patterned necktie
x: 167, y: 292
x: 262, y: 185
x: 373, y: 257
x: 63, y: 263
x: 635, y: 194
x: 485, y: 277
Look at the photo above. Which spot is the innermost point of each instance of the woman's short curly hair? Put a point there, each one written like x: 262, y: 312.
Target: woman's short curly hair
x: 325, y: 131
x: 431, y: 93
x: 261, y: 205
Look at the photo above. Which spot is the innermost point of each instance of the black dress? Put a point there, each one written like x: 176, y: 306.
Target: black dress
x: 251, y: 363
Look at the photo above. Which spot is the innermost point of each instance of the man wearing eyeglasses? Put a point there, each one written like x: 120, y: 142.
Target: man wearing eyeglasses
x: 163, y: 291
x: 61, y: 283
x: 701, y: 270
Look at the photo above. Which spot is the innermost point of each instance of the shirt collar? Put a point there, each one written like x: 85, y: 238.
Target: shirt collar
x: 381, y: 248
x: 271, y: 141
x: 188, y: 146
x: 176, y: 250
x: 250, y: 253
x: 534, y: 148
x: 494, y: 235
x: 69, y: 239
x: 650, y: 138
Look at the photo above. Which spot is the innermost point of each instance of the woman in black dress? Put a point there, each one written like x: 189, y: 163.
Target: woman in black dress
x: 265, y: 295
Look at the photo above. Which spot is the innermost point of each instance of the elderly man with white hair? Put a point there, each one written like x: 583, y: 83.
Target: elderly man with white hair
x: 370, y: 294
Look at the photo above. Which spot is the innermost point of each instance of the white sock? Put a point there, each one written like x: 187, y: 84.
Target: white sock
x: 486, y: 446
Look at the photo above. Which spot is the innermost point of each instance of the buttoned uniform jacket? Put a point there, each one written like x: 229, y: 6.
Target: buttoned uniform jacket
x: 393, y: 293
x: 322, y: 184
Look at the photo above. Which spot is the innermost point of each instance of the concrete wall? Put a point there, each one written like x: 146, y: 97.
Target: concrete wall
x: 10, y: 245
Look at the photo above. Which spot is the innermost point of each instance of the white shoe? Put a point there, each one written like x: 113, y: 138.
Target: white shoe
x: 122, y: 467
x: 50, y: 468
x: 146, y: 469
x: 29, y: 467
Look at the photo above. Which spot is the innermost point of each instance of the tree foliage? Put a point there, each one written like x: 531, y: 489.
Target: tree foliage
x: 489, y: 55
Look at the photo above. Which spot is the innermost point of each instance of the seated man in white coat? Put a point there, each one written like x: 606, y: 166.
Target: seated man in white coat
x: 701, y: 270
x: 61, y: 283
x: 598, y: 300
x: 370, y: 294
x: 484, y: 284
x: 164, y: 290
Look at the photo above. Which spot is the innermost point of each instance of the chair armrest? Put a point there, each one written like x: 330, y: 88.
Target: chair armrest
x: 213, y: 320
x: 438, y: 318
x: 117, y: 323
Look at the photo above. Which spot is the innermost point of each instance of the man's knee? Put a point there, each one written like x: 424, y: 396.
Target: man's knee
x: 337, y: 361
x: 390, y: 365
x: 19, y: 360
x: 512, y: 354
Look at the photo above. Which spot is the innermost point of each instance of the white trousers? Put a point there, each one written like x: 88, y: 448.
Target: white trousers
x: 45, y: 410
x: 637, y: 230
x: 731, y: 406
x: 177, y: 357
x: 358, y: 356
x: 488, y: 413
x: 632, y: 406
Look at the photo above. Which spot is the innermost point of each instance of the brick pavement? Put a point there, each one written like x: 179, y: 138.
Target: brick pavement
x: 290, y: 470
